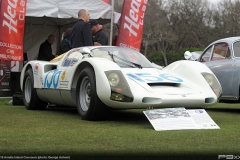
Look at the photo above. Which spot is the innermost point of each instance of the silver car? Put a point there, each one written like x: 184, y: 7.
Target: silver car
x: 223, y: 58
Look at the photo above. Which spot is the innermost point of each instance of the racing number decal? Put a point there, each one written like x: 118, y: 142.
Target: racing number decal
x: 54, y: 79
x: 135, y: 77
x: 46, y: 84
x: 171, y: 78
x: 147, y: 77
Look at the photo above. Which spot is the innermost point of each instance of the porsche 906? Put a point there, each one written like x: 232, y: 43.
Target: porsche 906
x: 96, y: 79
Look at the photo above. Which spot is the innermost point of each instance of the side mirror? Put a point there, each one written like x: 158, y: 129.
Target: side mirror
x: 188, y: 55
x: 86, y: 50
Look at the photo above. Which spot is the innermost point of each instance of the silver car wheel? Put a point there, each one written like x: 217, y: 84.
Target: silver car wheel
x: 30, y: 97
x: 28, y: 89
x: 85, y: 94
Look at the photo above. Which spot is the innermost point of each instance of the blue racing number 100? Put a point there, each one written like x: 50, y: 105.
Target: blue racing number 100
x: 147, y: 77
x: 54, y: 78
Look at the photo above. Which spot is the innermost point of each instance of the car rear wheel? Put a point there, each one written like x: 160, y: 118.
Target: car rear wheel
x: 89, y: 106
x: 30, y: 97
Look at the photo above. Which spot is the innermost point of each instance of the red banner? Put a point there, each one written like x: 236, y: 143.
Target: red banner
x: 106, y: 1
x: 12, y: 21
x: 131, y: 24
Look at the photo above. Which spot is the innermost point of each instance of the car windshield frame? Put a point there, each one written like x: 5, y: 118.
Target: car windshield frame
x: 72, y: 57
x: 215, y: 52
x: 124, y: 57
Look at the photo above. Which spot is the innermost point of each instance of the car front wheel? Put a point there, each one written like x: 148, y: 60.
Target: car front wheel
x: 89, y: 106
x: 30, y: 97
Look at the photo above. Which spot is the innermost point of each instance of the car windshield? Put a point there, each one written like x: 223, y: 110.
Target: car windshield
x: 124, y: 57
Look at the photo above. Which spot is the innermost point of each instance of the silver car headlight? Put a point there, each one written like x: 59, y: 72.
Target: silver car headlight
x: 209, y: 79
x: 113, y: 79
x: 213, y: 83
x: 120, y: 90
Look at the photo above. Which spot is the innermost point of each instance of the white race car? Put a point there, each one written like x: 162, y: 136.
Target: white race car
x: 95, y: 79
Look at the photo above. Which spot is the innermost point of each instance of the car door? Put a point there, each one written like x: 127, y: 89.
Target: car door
x: 221, y: 63
x: 236, y: 70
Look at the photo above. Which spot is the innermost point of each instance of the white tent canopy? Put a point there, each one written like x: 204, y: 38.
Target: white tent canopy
x: 67, y: 8
x: 45, y: 17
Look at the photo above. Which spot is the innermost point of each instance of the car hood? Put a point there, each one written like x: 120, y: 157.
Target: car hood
x: 152, y: 79
x: 151, y: 75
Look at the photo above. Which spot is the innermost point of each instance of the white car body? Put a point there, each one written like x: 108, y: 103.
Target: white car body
x: 180, y: 84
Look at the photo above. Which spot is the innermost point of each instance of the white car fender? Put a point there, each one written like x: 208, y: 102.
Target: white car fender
x: 38, y: 71
x: 101, y: 78
x: 191, y: 71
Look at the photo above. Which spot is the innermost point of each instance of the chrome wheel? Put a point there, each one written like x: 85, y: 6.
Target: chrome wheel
x: 30, y: 97
x: 28, y: 90
x: 85, y: 93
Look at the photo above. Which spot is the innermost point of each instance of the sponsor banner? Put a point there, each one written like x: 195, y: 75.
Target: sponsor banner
x: 12, y: 19
x: 5, y: 78
x: 131, y: 24
x: 106, y: 1
x: 63, y: 84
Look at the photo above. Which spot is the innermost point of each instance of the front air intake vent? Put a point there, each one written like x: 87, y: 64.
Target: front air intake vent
x: 209, y: 100
x: 164, y: 84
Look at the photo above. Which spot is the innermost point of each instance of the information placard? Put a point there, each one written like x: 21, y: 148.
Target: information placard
x: 180, y: 119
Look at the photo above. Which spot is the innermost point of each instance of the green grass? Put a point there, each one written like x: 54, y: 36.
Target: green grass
x: 60, y: 131
x: 4, y: 101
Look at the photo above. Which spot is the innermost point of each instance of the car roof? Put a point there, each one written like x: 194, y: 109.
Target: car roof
x: 229, y: 40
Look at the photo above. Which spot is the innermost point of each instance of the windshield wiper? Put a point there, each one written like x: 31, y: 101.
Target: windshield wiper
x: 124, y: 60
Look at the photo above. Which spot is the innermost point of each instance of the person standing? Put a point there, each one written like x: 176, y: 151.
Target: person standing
x: 100, y: 38
x: 45, y: 50
x: 81, y: 34
x: 65, y: 44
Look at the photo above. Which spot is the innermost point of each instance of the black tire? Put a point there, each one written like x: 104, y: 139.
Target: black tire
x: 89, y: 106
x: 30, y: 97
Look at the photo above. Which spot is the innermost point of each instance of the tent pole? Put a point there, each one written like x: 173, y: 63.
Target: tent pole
x: 111, y: 29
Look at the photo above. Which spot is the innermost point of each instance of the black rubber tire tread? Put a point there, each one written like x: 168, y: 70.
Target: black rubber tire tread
x: 35, y: 102
x: 97, y: 109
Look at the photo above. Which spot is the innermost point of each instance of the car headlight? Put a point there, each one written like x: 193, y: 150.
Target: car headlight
x: 120, y: 90
x: 213, y: 83
x: 113, y: 79
x: 209, y: 79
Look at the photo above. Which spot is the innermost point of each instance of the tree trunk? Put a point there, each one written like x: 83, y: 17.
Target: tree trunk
x: 145, y: 49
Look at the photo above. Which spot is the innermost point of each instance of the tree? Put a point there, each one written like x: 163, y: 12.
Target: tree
x: 157, y: 32
x: 227, y: 18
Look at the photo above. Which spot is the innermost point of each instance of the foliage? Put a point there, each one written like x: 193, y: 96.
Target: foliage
x: 192, y: 49
x: 170, y: 26
x: 171, y: 56
x: 158, y: 58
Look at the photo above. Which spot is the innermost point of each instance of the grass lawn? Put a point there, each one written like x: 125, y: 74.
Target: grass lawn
x: 124, y: 135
